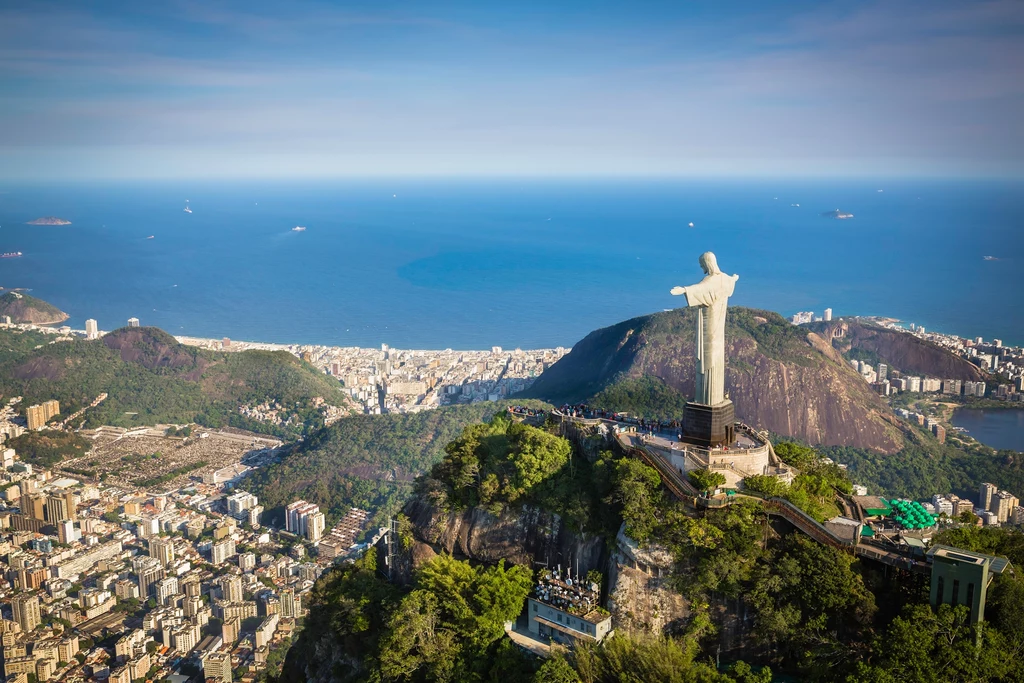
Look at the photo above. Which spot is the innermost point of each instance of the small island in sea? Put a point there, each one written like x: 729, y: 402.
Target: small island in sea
x: 837, y: 214
x: 49, y: 220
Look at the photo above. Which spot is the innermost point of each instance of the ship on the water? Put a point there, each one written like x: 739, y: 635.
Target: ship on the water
x: 299, y: 228
x: 11, y: 254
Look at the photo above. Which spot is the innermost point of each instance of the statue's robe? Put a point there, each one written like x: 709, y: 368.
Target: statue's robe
x: 711, y: 295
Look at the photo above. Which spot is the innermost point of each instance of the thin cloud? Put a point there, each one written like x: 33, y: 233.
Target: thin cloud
x: 933, y: 85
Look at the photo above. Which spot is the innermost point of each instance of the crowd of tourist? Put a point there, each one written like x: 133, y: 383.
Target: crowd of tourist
x: 523, y: 411
x: 582, y: 410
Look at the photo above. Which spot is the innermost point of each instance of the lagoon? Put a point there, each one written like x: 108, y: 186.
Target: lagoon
x: 998, y: 428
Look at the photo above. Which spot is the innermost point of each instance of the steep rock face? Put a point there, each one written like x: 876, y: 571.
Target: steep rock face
x: 780, y: 377
x: 640, y: 602
x: 154, y: 349
x: 525, y: 536
x: 900, y: 350
x: 640, y: 594
x: 48, y: 369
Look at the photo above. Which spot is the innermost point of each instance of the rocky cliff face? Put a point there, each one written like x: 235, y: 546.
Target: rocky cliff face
x: 525, y: 536
x: 780, y: 377
x: 640, y: 594
x: 900, y: 350
x: 154, y: 349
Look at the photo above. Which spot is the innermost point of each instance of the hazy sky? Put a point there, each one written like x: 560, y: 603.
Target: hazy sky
x: 249, y: 89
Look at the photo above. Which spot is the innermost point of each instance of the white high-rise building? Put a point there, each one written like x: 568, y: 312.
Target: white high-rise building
x: 315, y: 526
x: 92, y: 330
x: 239, y: 503
x: 304, y: 519
x: 828, y: 314
x: 222, y: 550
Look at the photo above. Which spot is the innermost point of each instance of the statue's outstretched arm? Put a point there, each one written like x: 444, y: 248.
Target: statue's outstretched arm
x: 676, y: 291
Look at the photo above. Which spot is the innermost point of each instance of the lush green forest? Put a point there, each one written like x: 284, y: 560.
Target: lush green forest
x: 150, y: 378
x: 365, y: 461
x: 813, y: 490
x: 45, y: 449
x: 448, y: 626
x: 646, y: 396
x: 816, y: 613
x: 503, y: 463
x: 14, y: 341
x: 925, y: 468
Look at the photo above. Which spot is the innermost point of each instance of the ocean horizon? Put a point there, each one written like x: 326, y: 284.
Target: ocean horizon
x: 433, y: 264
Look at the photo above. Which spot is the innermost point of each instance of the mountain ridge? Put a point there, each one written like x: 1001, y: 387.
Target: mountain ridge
x: 151, y: 378
x: 780, y: 377
x: 900, y: 350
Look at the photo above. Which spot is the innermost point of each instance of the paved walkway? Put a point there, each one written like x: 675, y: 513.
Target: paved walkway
x: 529, y: 643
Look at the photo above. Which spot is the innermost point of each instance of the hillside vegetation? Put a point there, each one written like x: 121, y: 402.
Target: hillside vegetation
x: 811, y: 612
x: 780, y: 377
x: 366, y: 461
x: 150, y: 378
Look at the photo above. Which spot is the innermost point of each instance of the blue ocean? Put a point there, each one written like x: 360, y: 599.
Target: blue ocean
x: 538, y: 263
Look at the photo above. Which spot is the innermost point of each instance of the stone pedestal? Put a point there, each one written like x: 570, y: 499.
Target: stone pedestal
x: 709, y: 426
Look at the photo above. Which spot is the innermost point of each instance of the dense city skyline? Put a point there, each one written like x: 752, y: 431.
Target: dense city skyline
x: 113, y: 90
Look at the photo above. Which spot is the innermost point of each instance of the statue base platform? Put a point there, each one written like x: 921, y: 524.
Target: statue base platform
x: 709, y: 426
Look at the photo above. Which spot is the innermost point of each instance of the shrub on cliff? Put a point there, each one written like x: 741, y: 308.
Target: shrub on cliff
x: 499, y: 462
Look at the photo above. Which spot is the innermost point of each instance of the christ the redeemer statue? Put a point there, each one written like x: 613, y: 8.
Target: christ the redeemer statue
x: 711, y: 295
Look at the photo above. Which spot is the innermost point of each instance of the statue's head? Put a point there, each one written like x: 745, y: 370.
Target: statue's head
x: 709, y: 263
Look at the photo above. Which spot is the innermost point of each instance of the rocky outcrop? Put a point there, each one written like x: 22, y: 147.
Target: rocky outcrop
x: 643, y: 603
x: 154, y: 349
x: 25, y: 309
x: 900, y: 350
x: 640, y: 595
x: 780, y: 377
x: 525, y: 536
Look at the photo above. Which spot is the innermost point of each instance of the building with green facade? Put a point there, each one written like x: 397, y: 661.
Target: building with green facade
x: 962, y: 577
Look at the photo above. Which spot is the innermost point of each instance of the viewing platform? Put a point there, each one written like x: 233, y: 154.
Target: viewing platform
x: 750, y: 453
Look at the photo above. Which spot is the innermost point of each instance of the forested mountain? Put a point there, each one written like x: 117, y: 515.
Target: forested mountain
x: 753, y: 598
x: 366, y: 461
x: 150, y: 378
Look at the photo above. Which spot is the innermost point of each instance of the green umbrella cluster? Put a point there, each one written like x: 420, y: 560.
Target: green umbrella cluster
x: 911, y: 514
